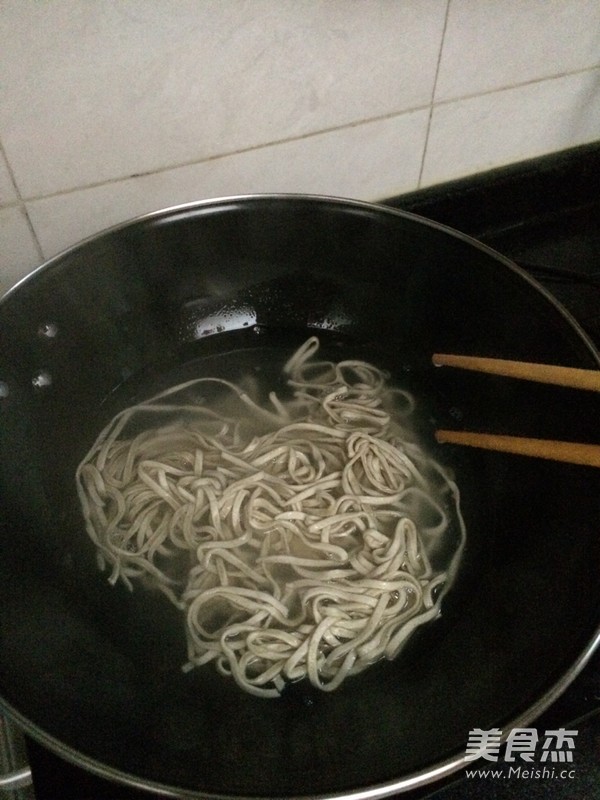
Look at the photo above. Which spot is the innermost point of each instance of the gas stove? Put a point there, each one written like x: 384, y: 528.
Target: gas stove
x: 544, y: 215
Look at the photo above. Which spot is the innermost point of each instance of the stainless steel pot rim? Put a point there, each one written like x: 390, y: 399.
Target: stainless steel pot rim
x: 16, y: 780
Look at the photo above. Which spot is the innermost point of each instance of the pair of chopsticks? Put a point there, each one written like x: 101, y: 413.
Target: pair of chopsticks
x: 571, y: 452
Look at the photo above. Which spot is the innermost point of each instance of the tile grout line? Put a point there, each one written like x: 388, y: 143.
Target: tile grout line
x: 433, y: 88
x: 276, y: 142
x: 228, y: 154
x: 508, y: 87
x: 20, y: 203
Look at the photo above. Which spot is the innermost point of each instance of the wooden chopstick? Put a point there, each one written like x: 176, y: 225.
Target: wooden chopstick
x: 570, y: 452
x: 573, y: 377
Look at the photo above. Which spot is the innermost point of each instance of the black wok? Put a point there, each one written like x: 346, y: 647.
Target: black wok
x: 93, y: 671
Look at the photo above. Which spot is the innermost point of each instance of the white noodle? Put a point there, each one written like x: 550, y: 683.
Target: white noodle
x: 301, y: 552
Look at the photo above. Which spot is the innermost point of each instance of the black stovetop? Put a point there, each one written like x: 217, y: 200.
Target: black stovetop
x: 545, y: 215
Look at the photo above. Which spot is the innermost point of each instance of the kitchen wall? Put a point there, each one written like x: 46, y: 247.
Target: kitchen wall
x: 111, y: 108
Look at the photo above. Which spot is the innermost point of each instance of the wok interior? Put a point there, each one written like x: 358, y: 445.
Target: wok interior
x: 95, y: 670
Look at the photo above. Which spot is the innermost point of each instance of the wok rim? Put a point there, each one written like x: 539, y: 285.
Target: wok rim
x: 420, y: 778
x: 378, y: 206
x: 415, y: 780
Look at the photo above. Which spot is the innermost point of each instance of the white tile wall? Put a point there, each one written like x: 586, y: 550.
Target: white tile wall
x: 117, y: 107
x: 488, y: 130
x: 19, y: 252
x: 493, y: 44
x: 107, y: 89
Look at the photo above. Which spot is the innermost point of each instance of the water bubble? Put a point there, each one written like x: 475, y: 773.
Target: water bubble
x: 42, y: 380
x: 4, y: 390
x: 48, y: 330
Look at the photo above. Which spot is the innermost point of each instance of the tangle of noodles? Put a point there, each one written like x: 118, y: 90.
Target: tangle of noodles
x: 304, y: 550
